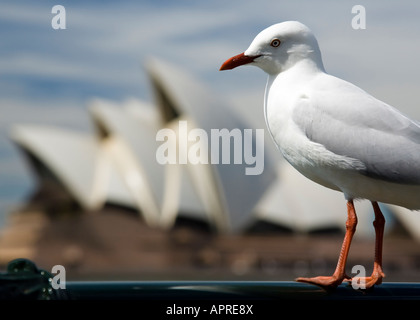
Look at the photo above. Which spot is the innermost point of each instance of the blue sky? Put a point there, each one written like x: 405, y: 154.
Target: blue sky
x: 47, y: 76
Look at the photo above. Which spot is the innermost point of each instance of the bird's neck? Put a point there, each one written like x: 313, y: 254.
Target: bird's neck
x: 307, y: 65
x: 294, y: 78
x: 303, y: 69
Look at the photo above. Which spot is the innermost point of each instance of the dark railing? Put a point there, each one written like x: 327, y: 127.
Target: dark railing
x: 24, y: 281
x: 233, y: 290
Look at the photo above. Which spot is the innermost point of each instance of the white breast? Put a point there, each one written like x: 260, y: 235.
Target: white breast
x: 311, y: 159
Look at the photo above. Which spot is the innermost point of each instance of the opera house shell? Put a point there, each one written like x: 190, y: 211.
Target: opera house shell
x: 116, y: 163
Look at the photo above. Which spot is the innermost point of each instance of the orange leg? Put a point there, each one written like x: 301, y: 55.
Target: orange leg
x: 339, y: 274
x: 377, y: 274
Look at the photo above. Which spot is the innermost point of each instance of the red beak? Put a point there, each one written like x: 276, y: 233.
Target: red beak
x: 237, y: 61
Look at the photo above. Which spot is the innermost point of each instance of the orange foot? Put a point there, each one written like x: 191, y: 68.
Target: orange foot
x: 328, y: 282
x: 367, y: 282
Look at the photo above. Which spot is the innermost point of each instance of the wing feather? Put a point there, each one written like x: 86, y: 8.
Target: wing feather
x: 350, y: 122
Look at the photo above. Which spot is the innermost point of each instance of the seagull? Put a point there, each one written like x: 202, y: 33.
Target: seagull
x: 335, y: 134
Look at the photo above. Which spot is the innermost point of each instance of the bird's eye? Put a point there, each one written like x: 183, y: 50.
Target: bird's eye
x: 275, y: 43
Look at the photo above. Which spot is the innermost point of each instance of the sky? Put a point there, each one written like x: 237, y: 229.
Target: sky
x: 48, y: 76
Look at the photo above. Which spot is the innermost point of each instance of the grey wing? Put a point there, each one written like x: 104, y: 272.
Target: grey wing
x: 354, y: 124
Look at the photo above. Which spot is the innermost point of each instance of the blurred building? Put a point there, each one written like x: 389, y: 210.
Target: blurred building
x: 114, y: 169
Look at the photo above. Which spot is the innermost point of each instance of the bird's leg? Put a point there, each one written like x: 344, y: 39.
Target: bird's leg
x: 339, y: 274
x: 377, y: 274
x: 379, y: 225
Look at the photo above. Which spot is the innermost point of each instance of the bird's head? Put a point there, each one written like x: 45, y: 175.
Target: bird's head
x: 278, y: 48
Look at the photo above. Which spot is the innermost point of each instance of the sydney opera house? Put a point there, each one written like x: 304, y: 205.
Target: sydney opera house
x: 104, y: 203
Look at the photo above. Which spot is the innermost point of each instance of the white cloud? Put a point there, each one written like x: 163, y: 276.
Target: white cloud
x: 53, y: 111
x: 34, y: 14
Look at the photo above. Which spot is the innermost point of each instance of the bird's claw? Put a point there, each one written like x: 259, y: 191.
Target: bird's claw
x: 367, y: 282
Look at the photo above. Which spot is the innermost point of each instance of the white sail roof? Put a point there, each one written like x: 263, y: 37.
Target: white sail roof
x: 129, y: 133
x: 232, y: 193
x: 409, y: 219
x: 75, y: 158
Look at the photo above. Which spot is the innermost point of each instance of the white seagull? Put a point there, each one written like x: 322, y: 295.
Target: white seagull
x: 335, y: 133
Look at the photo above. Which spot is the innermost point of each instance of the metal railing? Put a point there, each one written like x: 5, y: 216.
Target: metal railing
x: 24, y: 281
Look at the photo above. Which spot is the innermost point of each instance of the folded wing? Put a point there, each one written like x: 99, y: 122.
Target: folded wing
x: 367, y: 129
